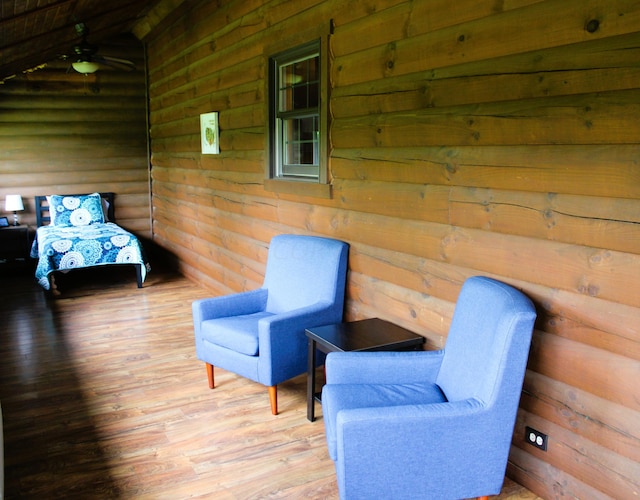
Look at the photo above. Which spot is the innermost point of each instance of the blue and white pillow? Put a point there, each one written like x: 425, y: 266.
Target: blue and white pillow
x: 76, y: 210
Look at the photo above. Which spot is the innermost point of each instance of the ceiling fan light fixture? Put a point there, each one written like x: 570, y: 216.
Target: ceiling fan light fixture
x: 85, y: 67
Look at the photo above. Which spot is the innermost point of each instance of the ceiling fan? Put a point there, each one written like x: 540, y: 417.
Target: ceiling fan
x: 85, y: 58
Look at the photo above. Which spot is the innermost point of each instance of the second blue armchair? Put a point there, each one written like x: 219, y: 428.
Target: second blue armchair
x: 434, y: 424
x: 260, y: 334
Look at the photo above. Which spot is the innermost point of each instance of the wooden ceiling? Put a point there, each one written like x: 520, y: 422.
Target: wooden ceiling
x: 33, y: 32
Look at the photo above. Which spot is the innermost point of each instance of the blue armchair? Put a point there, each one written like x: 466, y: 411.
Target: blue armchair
x: 432, y: 424
x: 260, y: 334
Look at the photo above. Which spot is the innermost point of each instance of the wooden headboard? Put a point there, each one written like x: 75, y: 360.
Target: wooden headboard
x: 42, y: 208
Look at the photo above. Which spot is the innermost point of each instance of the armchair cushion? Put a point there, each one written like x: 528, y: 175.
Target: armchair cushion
x: 238, y: 333
x: 212, y: 308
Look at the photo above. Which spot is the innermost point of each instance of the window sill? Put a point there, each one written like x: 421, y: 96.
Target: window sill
x: 300, y: 188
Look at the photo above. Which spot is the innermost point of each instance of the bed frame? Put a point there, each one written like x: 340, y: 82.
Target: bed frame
x: 43, y: 218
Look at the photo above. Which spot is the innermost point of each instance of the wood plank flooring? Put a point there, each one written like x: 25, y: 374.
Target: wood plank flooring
x: 103, y: 398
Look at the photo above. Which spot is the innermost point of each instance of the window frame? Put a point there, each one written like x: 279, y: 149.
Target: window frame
x: 281, y: 120
x: 317, y: 186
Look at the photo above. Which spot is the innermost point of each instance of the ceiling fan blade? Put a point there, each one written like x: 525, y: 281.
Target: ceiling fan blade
x: 115, y: 62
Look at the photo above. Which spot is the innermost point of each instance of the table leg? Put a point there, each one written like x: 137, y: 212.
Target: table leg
x: 311, y: 380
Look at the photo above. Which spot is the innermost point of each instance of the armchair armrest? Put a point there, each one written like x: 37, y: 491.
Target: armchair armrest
x: 383, y: 367
x: 442, y: 440
x: 278, y: 331
x: 235, y: 304
x: 282, y: 338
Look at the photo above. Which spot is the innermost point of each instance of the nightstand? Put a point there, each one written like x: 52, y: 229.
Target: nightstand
x: 14, y: 244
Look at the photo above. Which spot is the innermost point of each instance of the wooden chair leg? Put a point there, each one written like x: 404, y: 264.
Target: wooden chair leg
x: 273, y: 398
x: 210, y: 375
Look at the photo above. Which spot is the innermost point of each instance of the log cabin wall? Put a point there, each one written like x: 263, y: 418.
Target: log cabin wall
x: 469, y: 137
x: 62, y: 133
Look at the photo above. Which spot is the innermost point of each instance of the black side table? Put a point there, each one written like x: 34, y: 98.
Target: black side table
x: 365, y: 335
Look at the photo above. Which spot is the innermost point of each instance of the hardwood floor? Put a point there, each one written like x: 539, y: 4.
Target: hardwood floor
x: 103, y: 397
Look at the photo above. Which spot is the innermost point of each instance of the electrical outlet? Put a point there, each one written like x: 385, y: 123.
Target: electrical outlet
x: 536, y: 438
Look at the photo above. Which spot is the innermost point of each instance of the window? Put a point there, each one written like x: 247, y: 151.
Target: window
x: 297, y: 137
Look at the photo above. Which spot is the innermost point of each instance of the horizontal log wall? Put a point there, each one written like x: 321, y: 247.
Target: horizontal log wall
x: 63, y: 133
x: 469, y: 137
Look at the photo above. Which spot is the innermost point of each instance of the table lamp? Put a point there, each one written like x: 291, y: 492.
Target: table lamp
x: 13, y: 203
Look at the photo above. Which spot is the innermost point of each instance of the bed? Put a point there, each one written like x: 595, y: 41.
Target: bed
x: 79, y: 231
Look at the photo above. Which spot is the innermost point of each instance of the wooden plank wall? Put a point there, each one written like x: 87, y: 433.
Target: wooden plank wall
x: 62, y: 133
x: 469, y: 137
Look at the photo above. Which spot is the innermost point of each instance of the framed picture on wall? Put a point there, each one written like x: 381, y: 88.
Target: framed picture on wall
x: 209, y: 133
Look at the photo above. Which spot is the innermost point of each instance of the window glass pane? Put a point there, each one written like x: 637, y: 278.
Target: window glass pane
x: 299, y: 85
x: 301, y: 140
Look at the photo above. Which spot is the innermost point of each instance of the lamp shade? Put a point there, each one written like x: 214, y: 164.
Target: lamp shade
x: 85, y: 67
x: 13, y: 203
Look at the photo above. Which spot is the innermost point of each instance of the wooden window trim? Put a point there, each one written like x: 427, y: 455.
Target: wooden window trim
x: 301, y: 188
x: 322, y: 187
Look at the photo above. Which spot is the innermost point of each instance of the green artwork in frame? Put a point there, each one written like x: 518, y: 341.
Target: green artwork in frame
x: 210, y: 136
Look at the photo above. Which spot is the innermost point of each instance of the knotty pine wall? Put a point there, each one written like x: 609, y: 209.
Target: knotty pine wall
x: 62, y: 133
x: 469, y: 137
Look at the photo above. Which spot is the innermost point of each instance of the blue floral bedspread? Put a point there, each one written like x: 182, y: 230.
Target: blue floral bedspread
x: 65, y: 248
